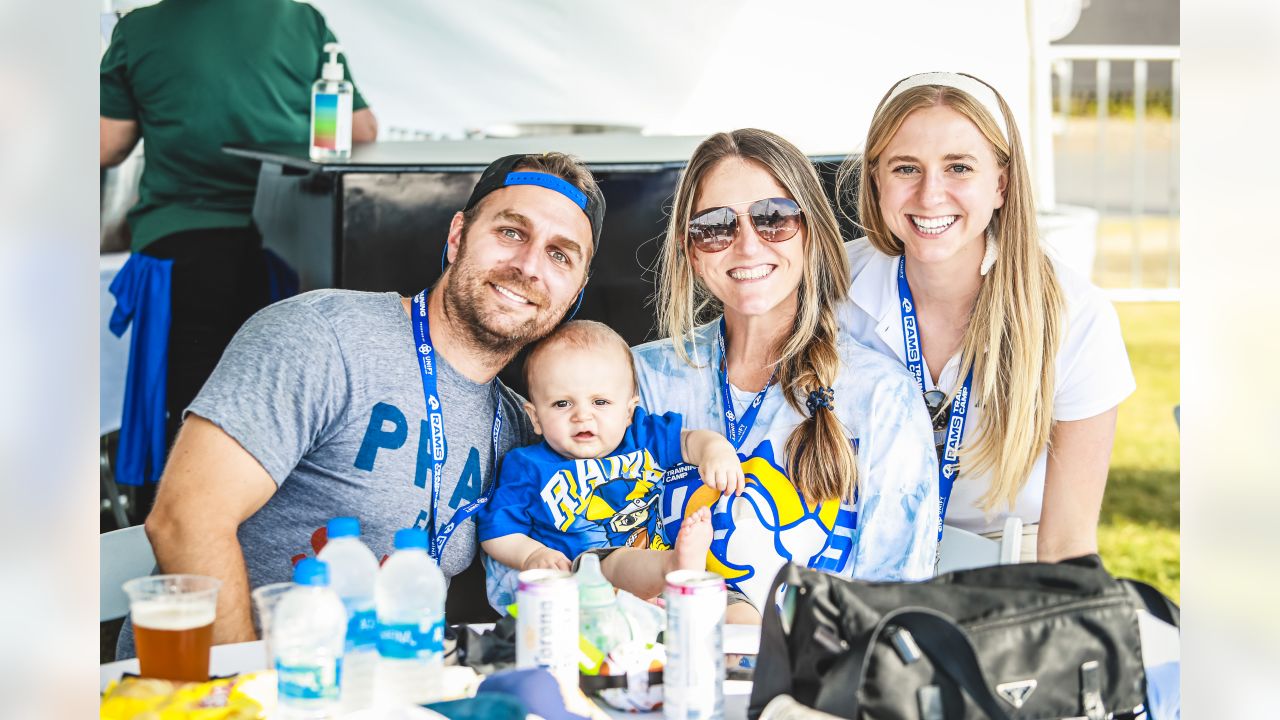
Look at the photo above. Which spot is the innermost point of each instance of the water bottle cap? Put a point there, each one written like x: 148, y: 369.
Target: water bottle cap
x: 410, y: 538
x: 310, y: 571
x: 343, y: 527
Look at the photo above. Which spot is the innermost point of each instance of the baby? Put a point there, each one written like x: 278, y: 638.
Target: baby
x: 596, y: 478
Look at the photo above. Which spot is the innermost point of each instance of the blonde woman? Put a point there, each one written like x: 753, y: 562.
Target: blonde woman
x: 836, y: 447
x: 1020, y: 359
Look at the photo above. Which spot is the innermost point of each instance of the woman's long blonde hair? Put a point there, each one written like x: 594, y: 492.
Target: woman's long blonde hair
x: 820, y: 458
x: 1013, y: 335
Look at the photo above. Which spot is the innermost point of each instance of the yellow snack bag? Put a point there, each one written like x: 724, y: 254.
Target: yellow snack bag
x: 150, y: 699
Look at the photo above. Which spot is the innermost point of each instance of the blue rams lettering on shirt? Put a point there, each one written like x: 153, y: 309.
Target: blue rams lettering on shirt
x: 377, y: 436
x: 471, y: 483
x: 388, y: 429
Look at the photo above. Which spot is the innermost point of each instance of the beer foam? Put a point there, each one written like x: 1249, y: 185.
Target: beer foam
x: 162, y: 615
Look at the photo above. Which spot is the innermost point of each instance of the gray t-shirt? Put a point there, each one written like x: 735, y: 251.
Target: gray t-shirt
x: 324, y: 390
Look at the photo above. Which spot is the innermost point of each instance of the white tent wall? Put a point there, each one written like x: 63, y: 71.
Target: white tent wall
x: 810, y: 70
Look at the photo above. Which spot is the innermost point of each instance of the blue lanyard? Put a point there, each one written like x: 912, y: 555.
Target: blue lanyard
x: 737, y: 428
x: 439, y: 446
x: 948, y: 464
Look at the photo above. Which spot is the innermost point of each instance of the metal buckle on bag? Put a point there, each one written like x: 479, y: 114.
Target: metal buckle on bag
x: 905, y: 644
x: 1091, y: 691
x: 929, y: 698
x: 827, y: 638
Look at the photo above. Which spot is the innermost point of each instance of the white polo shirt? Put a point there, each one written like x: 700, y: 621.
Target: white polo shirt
x: 1092, y: 375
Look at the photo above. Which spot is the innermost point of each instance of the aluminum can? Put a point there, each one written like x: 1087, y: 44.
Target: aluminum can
x: 547, y: 623
x: 693, y: 680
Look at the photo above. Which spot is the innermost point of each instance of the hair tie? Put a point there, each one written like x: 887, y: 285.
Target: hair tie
x: 820, y: 398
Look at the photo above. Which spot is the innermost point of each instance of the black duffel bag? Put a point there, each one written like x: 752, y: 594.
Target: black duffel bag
x: 1033, y: 640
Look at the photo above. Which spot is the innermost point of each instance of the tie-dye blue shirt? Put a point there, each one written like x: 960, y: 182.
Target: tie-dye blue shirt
x: 890, y: 532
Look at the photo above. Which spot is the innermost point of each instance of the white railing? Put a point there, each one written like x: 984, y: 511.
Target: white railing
x: 1063, y: 58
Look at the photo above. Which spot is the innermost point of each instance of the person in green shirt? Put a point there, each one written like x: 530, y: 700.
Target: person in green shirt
x: 187, y: 77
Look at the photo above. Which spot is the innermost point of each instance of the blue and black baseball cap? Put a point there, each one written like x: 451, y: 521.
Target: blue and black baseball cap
x: 502, y: 173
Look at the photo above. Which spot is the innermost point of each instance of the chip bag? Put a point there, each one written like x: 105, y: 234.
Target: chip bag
x: 243, y: 697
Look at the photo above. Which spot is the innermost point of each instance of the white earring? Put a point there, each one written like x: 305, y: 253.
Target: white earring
x: 989, y: 258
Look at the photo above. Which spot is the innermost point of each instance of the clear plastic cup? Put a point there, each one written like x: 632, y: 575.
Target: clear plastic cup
x: 264, y: 604
x: 172, y: 619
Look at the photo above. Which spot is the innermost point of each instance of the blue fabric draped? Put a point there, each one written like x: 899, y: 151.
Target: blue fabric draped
x: 142, y: 293
x: 141, y: 289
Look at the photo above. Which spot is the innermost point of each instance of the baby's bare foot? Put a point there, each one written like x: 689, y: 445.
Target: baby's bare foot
x: 693, y: 542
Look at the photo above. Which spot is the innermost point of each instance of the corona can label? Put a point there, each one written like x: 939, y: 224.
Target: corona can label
x: 693, y: 680
x: 547, y: 623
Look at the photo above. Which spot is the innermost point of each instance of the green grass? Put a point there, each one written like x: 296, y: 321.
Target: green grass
x: 1138, y: 535
x: 1119, y: 105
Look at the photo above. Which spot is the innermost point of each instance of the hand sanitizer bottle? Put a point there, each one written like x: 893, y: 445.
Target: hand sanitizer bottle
x: 331, y: 98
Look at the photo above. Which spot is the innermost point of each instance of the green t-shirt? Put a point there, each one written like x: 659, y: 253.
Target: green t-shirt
x: 197, y: 74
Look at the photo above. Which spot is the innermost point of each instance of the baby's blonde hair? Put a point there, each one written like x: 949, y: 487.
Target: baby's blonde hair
x: 578, y: 334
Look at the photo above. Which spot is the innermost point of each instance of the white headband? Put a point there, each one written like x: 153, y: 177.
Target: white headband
x: 976, y: 89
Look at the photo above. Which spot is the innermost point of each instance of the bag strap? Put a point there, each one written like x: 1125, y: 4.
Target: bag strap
x: 949, y: 649
x: 1154, y: 601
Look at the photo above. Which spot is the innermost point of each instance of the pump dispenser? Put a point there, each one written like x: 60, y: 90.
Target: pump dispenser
x: 331, y: 98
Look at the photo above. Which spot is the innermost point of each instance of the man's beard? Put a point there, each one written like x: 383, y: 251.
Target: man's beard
x: 468, y: 302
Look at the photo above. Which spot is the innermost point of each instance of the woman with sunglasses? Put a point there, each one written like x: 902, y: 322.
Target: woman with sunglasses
x: 836, y: 447
x: 1015, y: 353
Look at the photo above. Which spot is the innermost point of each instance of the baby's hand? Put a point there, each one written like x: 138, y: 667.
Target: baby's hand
x: 546, y: 558
x: 721, y: 469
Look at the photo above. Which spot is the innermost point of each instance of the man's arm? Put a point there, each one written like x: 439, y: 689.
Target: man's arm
x: 210, y: 486
x: 116, y: 139
x: 364, y: 126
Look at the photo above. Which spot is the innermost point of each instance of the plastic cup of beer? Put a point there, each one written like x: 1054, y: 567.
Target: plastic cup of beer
x: 173, y: 624
x: 265, y: 599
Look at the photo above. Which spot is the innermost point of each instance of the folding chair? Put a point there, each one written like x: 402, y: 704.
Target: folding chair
x: 123, y: 555
x: 961, y: 549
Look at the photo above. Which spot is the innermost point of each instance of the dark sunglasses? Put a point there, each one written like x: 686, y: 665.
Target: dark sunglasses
x: 933, y: 401
x: 775, y: 220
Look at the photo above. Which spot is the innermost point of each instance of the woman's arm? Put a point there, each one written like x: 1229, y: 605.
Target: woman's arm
x: 1075, y: 478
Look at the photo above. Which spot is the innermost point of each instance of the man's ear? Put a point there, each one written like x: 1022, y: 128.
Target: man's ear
x: 455, y: 237
x: 533, y: 417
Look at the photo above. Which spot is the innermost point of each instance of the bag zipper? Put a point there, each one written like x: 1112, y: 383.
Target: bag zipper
x: 1047, y: 612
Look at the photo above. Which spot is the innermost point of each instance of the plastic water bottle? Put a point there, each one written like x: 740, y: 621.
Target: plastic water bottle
x: 601, y: 622
x: 410, y: 602
x: 308, y: 630
x: 353, y: 571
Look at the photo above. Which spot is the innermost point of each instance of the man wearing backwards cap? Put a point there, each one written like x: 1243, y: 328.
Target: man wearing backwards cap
x: 339, y: 402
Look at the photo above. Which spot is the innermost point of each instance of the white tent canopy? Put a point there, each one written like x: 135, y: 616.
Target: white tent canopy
x: 811, y: 71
